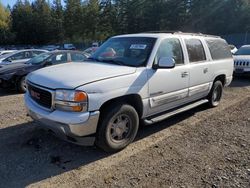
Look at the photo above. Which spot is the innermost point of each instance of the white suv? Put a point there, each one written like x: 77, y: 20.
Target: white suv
x: 147, y: 77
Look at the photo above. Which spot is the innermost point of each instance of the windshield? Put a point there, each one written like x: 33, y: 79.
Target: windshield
x: 39, y: 59
x: 128, y: 51
x: 243, y: 51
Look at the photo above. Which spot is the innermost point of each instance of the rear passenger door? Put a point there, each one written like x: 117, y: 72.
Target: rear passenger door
x: 200, y: 68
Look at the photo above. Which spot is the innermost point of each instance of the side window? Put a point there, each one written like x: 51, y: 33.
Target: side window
x: 59, y: 58
x: 18, y: 56
x: 219, y: 49
x: 27, y: 55
x: 171, y: 48
x: 77, y: 57
x: 36, y: 53
x: 195, y: 50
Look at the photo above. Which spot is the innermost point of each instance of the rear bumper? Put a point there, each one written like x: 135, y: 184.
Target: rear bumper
x: 78, y: 128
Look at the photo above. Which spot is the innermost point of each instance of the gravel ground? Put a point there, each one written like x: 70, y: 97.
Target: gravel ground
x: 199, y: 148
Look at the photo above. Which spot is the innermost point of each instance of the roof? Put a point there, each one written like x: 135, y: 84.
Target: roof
x: 157, y: 34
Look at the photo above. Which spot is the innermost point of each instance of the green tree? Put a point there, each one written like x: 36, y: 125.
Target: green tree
x: 22, y: 22
x: 73, y: 19
x: 42, y: 22
x: 57, y: 21
x: 5, y: 19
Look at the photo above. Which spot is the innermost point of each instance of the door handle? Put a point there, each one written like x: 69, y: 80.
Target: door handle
x: 205, y: 70
x: 184, y: 74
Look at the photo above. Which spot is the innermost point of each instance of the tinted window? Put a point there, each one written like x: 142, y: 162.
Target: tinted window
x: 77, y: 57
x: 219, y: 49
x: 195, y: 50
x: 170, y: 48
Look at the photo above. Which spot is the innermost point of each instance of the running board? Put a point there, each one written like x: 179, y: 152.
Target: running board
x: 174, y: 112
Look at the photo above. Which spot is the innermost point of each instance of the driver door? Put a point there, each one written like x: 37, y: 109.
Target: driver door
x: 168, y: 88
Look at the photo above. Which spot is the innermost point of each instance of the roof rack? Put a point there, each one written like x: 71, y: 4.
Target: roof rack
x: 183, y: 33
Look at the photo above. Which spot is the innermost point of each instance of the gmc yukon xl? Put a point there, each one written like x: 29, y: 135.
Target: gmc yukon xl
x: 133, y: 78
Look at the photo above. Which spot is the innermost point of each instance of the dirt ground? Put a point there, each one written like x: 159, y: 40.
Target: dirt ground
x: 199, y: 148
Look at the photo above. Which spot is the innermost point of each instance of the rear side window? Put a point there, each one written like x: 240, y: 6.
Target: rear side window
x: 195, y: 50
x: 219, y: 49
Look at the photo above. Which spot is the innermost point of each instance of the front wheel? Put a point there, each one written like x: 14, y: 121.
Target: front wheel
x: 22, y: 85
x: 216, y: 94
x: 117, y: 128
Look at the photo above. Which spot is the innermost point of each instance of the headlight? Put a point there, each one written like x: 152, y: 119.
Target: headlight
x: 71, y: 100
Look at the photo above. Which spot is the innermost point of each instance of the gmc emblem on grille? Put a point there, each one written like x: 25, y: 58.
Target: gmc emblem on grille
x: 35, y: 94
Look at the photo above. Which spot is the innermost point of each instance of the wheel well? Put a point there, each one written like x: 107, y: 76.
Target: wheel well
x: 133, y: 100
x: 221, y: 78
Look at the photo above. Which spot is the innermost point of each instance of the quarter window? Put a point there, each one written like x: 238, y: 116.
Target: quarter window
x: 219, y: 49
x: 195, y: 50
x: 171, y: 48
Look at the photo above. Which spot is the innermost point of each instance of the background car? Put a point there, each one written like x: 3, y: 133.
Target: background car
x: 20, y: 56
x: 51, y: 47
x: 4, y: 52
x: 13, y: 75
x: 242, y: 61
x: 69, y: 47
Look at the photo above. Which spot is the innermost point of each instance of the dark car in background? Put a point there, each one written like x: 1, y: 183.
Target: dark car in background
x: 13, y: 75
x: 20, y: 56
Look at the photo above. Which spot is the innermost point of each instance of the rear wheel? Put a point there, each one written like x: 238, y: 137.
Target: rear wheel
x: 216, y: 94
x: 117, y: 128
x: 22, y: 85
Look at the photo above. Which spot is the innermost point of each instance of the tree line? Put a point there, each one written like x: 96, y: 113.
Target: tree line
x: 41, y: 22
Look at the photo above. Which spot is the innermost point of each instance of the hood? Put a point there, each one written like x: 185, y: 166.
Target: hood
x: 73, y: 75
x: 7, y: 68
x: 241, y: 57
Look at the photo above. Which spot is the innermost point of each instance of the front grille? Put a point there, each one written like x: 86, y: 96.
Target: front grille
x: 242, y: 63
x: 40, y: 96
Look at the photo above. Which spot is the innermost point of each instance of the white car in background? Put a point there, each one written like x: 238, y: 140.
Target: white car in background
x: 20, y: 56
x: 4, y: 52
x: 242, y: 61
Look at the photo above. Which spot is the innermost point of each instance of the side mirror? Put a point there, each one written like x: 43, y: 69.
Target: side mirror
x: 166, y: 63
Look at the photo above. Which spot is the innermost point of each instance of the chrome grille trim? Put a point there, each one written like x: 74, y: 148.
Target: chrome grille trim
x: 52, y: 92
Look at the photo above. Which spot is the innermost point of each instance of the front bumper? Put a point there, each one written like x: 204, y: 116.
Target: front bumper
x: 241, y: 71
x: 78, y: 128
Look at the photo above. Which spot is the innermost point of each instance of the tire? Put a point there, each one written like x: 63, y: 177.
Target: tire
x: 21, y: 85
x: 215, y: 94
x: 117, y: 128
